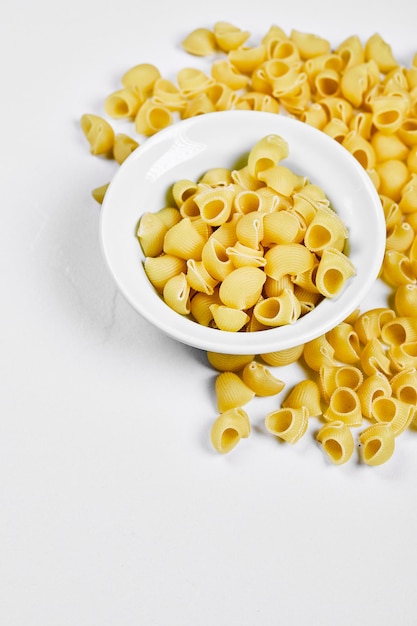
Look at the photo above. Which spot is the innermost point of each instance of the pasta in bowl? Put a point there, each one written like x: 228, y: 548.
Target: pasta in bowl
x: 206, y: 166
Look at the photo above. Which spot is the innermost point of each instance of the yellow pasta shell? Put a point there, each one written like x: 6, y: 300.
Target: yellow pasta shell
x: 377, y: 444
x: 200, y: 306
x: 399, y: 330
x: 242, y: 288
x: 291, y: 258
x: 161, y: 268
x: 374, y: 358
x: 184, y: 240
x: 229, y: 362
x: 229, y: 428
x: 266, y: 153
x: 287, y: 424
x: 305, y: 393
x: 278, y: 310
x: 142, y: 77
x: 337, y: 441
x: 228, y: 319
x: 199, y: 278
x: 344, y: 406
x: 380, y: 51
x: 393, y: 411
x: 151, y: 233
x: 123, y: 103
x: 231, y: 391
x: 318, y: 353
x: 333, y: 271
x: 123, y: 146
x: 345, y: 342
x: 250, y: 230
x: 258, y: 378
x: 200, y: 42
x: 177, y: 294
x: 229, y: 37
x: 404, y: 386
x: 372, y: 387
x: 283, y: 357
x: 152, y: 117
x: 369, y: 324
x: 406, y: 300
x: 98, y: 133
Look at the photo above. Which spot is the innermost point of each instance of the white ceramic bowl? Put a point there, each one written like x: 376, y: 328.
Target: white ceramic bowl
x: 186, y: 150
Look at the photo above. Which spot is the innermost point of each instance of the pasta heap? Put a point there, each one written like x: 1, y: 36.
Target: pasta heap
x: 247, y: 249
x: 361, y: 96
x: 362, y: 385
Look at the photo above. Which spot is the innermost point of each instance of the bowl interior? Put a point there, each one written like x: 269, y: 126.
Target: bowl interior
x: 189, y: 148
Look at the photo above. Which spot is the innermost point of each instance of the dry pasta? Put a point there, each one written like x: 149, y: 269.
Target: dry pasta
x: 361, y: 96
x: 229, y: 428
x: 229, y: 236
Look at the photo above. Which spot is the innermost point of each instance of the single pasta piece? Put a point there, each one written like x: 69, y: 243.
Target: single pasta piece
x: 291, y: 258
x: 309, y: 45
x: 305, y: 393
x: 200, y: 42
x: 374, y: 386
x: 152, y: 117
x: 99, y: 134
x: 200, y: 279
x: 242, y: 288
x: 183, y: 240
x: 380, y: 51
x: 351, y: 51
x: 123, y: 103
x: 229, y: 362
x: 326, y: 229
x: 287, y: 424
x: 406, y: 300
x: 192, y: 81
x: 399, y: 330
x: 142, y: 77
x: 404, y: 386
x: 369, y: 324
x: 377, y: 444
x: 397, y: 269
x: 258, y: 378
x: 229, y: 428
x: 151, y: 233
x: 374, y: 358
x: 318, y: 353
x: 247, y: 59
x: 176, y: 294
x: 278, y: 310
x: 99, y: 192
x: 231, y: 391
x: 229, y: 37
x: 283, y: 357
x: 222, y: 71
x: 266, y: 153
x: 228, y: 319
x: 394, y: 412
x: 337, y: 441
x: 333, y: 271
x: 344, y: 406
x: 123, y: 146
x: 345, y: 342
x: 160, y: 269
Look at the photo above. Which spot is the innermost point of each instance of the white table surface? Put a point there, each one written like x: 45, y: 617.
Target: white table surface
x: 114, y: 509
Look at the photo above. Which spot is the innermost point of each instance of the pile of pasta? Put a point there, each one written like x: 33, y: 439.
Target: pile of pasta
x: 358, y: 93
x: 362, y: 390
x: 247, y: 249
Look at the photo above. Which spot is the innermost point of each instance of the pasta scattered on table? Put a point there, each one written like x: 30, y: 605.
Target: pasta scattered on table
x: 361, y: 383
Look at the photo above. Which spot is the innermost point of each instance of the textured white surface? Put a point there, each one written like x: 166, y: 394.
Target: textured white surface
x: 114, y: 509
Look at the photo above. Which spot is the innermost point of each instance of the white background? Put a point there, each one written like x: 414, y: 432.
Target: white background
x: 114, y: 509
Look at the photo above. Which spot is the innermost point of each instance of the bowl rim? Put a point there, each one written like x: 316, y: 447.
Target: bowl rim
x: 257, y: 342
